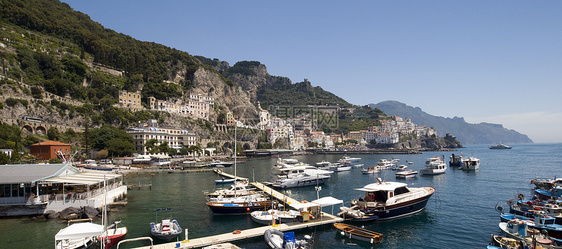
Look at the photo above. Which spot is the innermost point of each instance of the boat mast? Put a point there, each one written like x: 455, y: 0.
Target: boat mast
x: 235, y: 124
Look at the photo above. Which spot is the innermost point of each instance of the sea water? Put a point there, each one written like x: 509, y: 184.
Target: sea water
x: 461, y: 213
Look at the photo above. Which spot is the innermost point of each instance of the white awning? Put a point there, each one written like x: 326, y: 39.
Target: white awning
x: 328, y: 201
x: 85, y: 178
x: 79, y: 230
x: 304, y: 205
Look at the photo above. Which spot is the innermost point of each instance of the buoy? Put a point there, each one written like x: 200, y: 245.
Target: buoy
x: 247, y: 209
x: 237, y: 232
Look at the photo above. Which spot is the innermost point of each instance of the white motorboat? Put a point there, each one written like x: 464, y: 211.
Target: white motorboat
x: 347, y: 159
x: 342, y: 167
x: 385, y: 164
x: 434, y: 166
x: 239, y: 188
x: 221, y: 163
x: 300, y: 180
x: 324, y: 165
x: 406, y: 174
x: 279, y: 216
x: 500, y: 146
x: 371, y: 170
x: 78, y: 235
x: 470, y: 164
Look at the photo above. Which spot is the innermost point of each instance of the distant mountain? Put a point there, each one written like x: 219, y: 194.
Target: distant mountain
x: 483, y: 133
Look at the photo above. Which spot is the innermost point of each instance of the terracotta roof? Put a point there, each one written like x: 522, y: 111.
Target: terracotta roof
x: 50, y: 143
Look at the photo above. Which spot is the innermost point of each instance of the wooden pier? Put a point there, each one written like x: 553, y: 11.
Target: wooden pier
x: 324, y: 219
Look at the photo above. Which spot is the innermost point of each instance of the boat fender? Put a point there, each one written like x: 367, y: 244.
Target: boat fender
x: 371, y: 240
x: 342, y: 233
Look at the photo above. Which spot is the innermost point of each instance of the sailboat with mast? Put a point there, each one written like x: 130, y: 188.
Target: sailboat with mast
x: 239, y: 202
x: 111, y: 234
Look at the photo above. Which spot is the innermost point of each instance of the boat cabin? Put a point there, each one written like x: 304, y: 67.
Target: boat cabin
x: 542, y: 220
x: 380, y: 193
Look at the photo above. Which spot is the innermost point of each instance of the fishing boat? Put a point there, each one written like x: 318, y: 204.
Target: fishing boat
x: 455, y: 160
x: 167, y: 229
x: 387, y: 200
x: 434, y: 166
x: 358, y: 233
x: 406, y: 174
x: 470, y: 164
x: 276, y: 239
x: 78, y: 235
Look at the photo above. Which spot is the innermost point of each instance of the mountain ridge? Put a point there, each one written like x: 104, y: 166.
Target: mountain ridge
x: 466, y: 133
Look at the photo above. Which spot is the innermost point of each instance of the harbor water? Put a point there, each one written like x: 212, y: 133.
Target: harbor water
x: 461, y: 214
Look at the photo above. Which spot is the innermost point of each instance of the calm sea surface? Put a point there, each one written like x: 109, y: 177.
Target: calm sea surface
x: 460, y: 214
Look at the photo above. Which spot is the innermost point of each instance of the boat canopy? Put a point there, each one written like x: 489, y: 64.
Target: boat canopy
x: 328, y: 201
x: 384, y: 186
x: 79, y: 230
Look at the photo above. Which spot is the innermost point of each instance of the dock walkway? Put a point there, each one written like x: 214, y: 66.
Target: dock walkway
x: 324, y: 219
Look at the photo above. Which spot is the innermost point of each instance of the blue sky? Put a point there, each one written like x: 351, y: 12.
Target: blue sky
x: 486, y: 61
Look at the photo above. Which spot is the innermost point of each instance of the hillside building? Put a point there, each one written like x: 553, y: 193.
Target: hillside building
x: 49, y: 149
x: 130, y: 100
x: 200, y: 106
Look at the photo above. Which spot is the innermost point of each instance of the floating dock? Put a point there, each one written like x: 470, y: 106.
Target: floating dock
x: 324, y: 219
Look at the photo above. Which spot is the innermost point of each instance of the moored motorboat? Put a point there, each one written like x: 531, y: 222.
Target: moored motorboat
x: 470, y: 164
x: 434, y: 166
x: 388, y: 200
x: 78, y: 235
x: 276, y: 239
x: 274, y: 215
x: 406, y: 174
x: 166, y: 229
x: 500, y: 146
x: 347, y: 159
x: 240, y: 205
x: 371, y: 170
x: 358, y: 233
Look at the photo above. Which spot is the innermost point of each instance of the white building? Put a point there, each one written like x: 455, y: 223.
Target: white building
x: 387, y: 138
x: 176, y: 138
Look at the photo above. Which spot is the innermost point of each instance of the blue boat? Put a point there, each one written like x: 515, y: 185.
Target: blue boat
x: 387, y: 200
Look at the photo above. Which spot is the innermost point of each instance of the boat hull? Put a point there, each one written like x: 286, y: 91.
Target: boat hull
x: 358, y: 233
x: 395, y: 211
x: 301, y: 183
x: 238, y: 208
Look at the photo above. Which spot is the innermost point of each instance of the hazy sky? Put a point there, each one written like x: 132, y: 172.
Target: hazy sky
x: 486, y: 61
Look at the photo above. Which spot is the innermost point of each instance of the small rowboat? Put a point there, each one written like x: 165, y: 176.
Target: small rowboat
x: 354, y: 232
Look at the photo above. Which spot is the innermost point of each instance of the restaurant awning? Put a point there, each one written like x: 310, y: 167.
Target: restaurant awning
x: 84, y: 178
